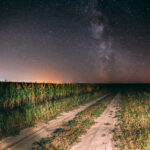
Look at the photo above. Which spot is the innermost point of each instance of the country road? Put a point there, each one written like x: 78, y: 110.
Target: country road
x: 24, y: 140
x: 99, y: 137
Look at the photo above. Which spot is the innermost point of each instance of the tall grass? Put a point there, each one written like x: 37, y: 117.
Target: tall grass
x: 24, y: 104
x: 19, y: 94
x: 12, y: 121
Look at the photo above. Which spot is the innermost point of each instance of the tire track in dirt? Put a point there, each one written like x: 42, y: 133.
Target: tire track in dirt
x: 99, y: 136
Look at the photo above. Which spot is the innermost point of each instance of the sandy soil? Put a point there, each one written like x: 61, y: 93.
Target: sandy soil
x: 100, y: 135
x: 24, y: 140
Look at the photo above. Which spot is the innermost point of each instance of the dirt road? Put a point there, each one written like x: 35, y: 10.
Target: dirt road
x: 100, y: 135
x: 24, y: 140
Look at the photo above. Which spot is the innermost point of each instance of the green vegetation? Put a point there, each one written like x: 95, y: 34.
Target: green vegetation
x: 24, y: 104
x: 12, y: 121
x: 103, y: 135
x: 134, y: 132
x: 19, y: 94
x: 64, y: 138
x: 107, y: 124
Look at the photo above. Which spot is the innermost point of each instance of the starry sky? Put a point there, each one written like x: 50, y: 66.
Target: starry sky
x: 96, y: 41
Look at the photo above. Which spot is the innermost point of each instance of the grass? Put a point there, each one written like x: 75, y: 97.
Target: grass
x: 103, y: 135
x: 134, y: 127
x: 12, y: 121
x: 14, y: 95
x: 65, y: 137
x: 107, y: 124
x: 113, y: 130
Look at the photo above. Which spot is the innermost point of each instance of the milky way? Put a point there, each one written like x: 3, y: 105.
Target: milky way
x: 75, y: 41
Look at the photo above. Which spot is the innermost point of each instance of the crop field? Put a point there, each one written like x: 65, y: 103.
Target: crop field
x: 19, y: 94
x: 134, y: 117
x: 24, y: 104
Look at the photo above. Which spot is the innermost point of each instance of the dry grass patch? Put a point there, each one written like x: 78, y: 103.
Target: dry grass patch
x: 134, y: 131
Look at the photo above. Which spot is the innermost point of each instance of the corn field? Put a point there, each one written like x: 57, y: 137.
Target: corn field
x: 19, y: 94
x: 24, y: 104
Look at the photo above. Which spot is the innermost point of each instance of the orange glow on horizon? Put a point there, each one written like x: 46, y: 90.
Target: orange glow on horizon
x: 53, y: 81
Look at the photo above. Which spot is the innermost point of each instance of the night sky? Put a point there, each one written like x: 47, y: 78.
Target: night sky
x: 75, y: 40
